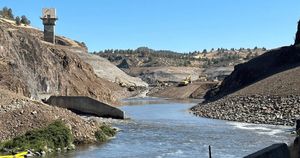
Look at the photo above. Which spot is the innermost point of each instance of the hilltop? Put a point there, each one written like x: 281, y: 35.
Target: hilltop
x: 163, y: 69
x: 146, y: 57
x: 144, y: 62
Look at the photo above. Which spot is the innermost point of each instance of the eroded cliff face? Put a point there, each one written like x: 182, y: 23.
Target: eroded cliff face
x: 34, y: 68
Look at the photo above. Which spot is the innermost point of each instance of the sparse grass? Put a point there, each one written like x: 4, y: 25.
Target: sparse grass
x: 101, y: 136
x: 108, y: 130
x: 56, y: 135
x: 104, y: 133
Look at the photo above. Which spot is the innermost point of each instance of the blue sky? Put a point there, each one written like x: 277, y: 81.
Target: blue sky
x: 178, y: 25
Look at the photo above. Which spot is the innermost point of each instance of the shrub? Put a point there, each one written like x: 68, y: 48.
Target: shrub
x: 56, y: 135
x: 104, y: 133
x: 18, y: 20
x: 100, y: 136
x: 24, y: 20
x: 108, y: 130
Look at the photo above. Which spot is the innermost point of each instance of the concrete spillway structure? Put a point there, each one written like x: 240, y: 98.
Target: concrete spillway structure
x: 86, y: 105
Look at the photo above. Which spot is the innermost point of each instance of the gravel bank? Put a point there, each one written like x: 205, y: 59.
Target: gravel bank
x: 276, y: 110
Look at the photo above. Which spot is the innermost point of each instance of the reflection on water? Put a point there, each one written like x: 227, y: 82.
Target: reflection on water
x: 165, y: 129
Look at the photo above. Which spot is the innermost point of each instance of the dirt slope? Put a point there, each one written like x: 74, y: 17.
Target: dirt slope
x: 263, y: 90
x: 106, y: 70
x: 19, y: 114
x: 263, y: 66
x: 35, y: 68
x: 165, y: 74
x: 281, y: 84
x: 194, y: 90
x: 273, y: 100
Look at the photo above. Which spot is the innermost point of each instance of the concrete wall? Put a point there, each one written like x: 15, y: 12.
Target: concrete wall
x: 49, y: 33
x: 86, y: 105
x: 274, y: 151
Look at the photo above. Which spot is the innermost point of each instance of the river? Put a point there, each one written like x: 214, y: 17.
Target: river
x: 161, y: 128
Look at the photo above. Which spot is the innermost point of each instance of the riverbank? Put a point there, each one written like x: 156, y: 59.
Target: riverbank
x: 20, y: 115
x: 164, y: 128
x: 275, y: 110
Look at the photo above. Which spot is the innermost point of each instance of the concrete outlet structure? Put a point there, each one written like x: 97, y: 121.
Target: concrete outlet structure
x: 86, y: 105
x: 49, y: 18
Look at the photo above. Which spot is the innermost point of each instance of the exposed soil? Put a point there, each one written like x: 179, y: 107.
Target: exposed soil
x: 19, y: 114
x: 34, y: 68
x: 194, y: 90
x: 153, y: 75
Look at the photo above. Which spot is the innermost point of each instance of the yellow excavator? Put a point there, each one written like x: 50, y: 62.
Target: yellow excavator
x: 18, y: 155
x: 186, y: 81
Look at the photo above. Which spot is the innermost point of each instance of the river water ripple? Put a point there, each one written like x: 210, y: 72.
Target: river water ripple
x: 165, y: 129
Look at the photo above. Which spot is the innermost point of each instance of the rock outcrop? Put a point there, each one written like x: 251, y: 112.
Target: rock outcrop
x: 297, y: 39
x: 35, y: 68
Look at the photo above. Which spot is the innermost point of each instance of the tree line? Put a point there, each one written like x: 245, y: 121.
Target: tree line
x: 145, y: 51
x: 142, y: 52
x: 7, y: 13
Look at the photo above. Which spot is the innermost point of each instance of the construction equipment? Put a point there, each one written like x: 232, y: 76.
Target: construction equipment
x: 186, y: 81
x: 18, y: 155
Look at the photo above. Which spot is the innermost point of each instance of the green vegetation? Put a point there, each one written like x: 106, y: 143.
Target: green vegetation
x: 24, y: 20
x: 104, y: 133
x: 18, y: 20
x: 143, y: 52
x: 108, y: 130
x: 7, y: 13
x: 54, y: 136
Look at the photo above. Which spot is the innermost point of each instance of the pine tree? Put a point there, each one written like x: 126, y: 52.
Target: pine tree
x: 18, y: 20
x: 7, y: 13
x: 10, y: 14
x: 24, y: 20
x: 4, y: 12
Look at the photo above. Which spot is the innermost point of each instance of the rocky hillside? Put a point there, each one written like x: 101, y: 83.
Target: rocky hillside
x: 146, y: 57
x: 154, y: 75
x: 273, y: 100
x: 195, y: 90
x: 108, y: 71
x: 154, y: 65
x: 263, y: 90
x: 19, y: 114
x: 34, y: 68
x: 261, y: 67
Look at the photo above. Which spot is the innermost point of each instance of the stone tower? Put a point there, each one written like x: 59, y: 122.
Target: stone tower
x: 49, y: 18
